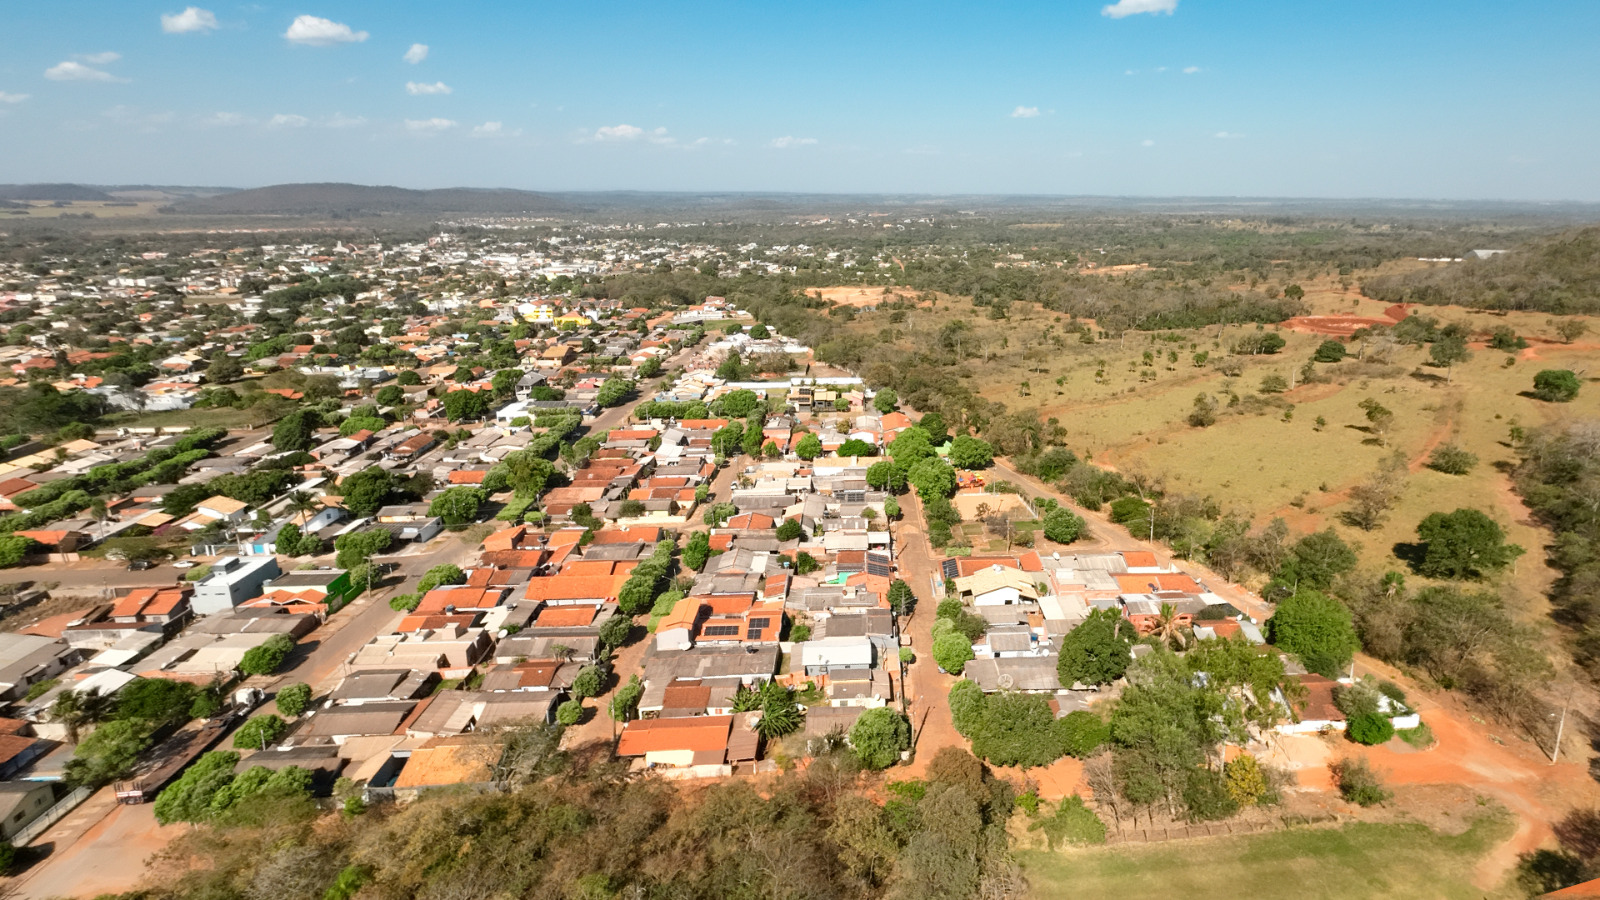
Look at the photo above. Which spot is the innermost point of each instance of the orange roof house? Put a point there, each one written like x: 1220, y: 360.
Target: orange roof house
x: 564, y: 589
x: 679, y: 742
x: 1146, y: 583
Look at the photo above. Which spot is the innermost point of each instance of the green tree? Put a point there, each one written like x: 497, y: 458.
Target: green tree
x: 1017, y: 730
x: 259, y: 732
x: 891, y: 508
x: 366, y: 491
x: 296, y: 431
x: 886, y: 476
x: 696, y: 551
x: 613, y: 391
x: 1316, y: 628
x: 294, y: 699
x: 441, y: 576
x: 615, y: 630
x: 880, y: 736
x: 76, y: 710
x: 952, y: 652
x: 809, y: 447
x: 569, y: 713
x: 1447, y: 351
x: 625, y: 702
x: 1097, y: 651
x: 1556, y: 385
x: 901, y: 598
x: 970, y: 453
x: 967, y: 704
x: 1062, y: 525
x: 1329, y: 352
x: 790, y: 530
x: 189, y: 798
x: 359, y: 546
x: 407, y: 378
x: 458, y: 505
x: 14, y: 548
x: 267, y: 657
x: 1314, y: 562
x: 932, y: 478
x: 224, y: 369
x: 885, y: 401
x: 390, y: 395
x: 1463, y: 544
x: 108, y: 754
x: 465, y: 405
x: 856, y: 447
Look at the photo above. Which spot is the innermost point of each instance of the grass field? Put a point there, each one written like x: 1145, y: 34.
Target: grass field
x: 219, y: 417
x: 1348, y: 863
x: 1128, y: 415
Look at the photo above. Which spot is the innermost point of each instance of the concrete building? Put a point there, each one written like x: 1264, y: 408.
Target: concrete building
x: 232, y: 581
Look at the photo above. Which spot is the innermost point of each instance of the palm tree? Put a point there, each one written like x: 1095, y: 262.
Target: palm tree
x: 1167, y: 627
x: 302, y: 505
x: 74, y: 710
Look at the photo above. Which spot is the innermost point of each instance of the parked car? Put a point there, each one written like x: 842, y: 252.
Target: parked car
x: 139, y: 565
x: 184, y: 564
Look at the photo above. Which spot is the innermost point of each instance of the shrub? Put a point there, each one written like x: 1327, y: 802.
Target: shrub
x: 1329, y: 352
x: 1129, y: 509
x: 1420, y: 737
x: 1452, y: 460
x: 1370, y: 729
x: 967, y: 704
x: 1245, y: 781
x: 1206, y: 796
x: 1082, y: 733
x: 1062, y: 525
x: 569, y: 713
x: 1073, y: 823
x: 1358, y: 783
x: 907, y: 655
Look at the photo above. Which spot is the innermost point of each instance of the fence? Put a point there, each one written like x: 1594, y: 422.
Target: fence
x: 51, y: 816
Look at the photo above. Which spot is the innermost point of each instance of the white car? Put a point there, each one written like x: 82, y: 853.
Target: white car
x: 183, y: 564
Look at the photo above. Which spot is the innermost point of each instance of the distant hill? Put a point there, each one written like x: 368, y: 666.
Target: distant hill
x: 51, y: 192
x: 355, y: 200
x: 1555, y: 274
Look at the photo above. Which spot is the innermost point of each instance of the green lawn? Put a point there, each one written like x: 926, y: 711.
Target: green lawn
x: 1355, y: 861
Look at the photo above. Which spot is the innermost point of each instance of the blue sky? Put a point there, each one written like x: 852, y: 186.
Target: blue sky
x: 1459, y: 99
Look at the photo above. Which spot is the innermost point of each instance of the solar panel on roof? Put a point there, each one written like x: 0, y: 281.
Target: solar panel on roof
x: 752, y: 634
x: 760, y: 622
x: 722, y: 630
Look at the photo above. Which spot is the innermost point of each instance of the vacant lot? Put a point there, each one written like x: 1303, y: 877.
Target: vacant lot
x: 1355, y: 861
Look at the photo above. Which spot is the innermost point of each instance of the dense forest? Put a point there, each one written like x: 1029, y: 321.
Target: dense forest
x: 1555, y: 274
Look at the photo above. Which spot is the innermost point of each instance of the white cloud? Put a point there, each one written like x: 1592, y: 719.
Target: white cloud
x: 489, y: 128
x: 289, y: 120
x: 318, y: 32
x: 618, y: 133
x: 340, y: 120
x: 417, y: 53
x: 223, y: 119
x: 429, y: 126
x: 1190, y: 70
x: 1124, y: 8
x: 1228, y: 135
x: 419, y: 89
x: 76, y: 71
x: 192, y: 19
x: 787, y: 141
x: 100, y: 59
x: 12, y: 98
x: 1147, y: 143
x: 1025, y: 112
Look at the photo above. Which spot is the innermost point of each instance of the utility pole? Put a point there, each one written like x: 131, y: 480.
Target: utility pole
x: 1560, y: 726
